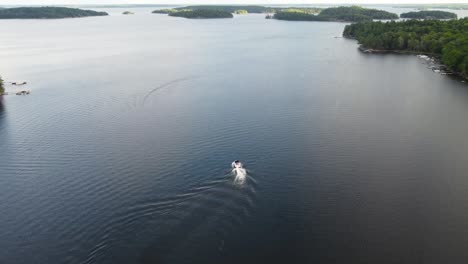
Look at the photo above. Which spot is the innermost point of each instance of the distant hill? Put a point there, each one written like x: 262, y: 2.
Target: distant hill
x: 433, y: 14
x: 46, y: 13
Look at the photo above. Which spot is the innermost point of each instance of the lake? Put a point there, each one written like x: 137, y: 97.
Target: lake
x: 122, y: 152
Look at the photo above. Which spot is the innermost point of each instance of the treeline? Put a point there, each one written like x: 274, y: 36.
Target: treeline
x: 202, y: 13
x: 448, y: 39
x: 46, y: 13
x: 346, y: 14
x: 433, y: 14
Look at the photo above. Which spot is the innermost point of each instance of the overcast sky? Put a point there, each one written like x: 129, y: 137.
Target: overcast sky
x: 71, y: 2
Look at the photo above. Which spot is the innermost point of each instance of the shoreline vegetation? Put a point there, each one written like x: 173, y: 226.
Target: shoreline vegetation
x: 446, y: 40
x: 435, y: 14
x: 46, y: 13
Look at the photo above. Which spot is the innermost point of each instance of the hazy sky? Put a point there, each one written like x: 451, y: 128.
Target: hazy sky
x: 70, y: 2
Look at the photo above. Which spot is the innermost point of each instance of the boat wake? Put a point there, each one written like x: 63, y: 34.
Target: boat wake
x: 240, y: 175
x: 163, y: 227
x: 149, y: 93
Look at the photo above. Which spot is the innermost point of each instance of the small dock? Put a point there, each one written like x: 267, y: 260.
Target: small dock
x: 15, y: 88
x: 23, y: 92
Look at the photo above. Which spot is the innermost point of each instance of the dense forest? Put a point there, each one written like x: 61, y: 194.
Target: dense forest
x: 46, y: 12
x: 202, y: 13
x: 433, y: 14
x: 348, y: 14
x: 447, y: 39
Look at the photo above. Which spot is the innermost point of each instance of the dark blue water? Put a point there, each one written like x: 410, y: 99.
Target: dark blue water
x: 122, y: 152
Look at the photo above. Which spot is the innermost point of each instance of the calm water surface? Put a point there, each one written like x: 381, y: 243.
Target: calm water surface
x: 121, y: 154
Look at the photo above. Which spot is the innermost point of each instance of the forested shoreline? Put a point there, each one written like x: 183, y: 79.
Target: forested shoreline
x: 445, y: 39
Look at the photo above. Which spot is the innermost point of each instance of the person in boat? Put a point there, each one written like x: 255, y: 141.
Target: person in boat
x: 236, y: 164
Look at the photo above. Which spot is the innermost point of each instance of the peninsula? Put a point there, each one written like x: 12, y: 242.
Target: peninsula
x: 46, y: 13
x: 447, y: 40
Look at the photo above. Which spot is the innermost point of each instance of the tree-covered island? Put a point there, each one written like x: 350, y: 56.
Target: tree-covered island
x: 446, y: 39
x: 46, y: 13
x: 202, y: 13
x: 239, y: 9
x: 426, y: 14
x: 458, y: 6
x: 227, y: 8
x: 342, y: 14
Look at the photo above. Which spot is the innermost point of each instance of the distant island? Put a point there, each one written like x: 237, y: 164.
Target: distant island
x: 433, y: 14
x: 201, y: 13
x: 343, y: 14
x: 227, y: 8
x: 46, y: 13
x: 237, y: 9
x: 128, y: 13
x: 433, y: 6
x: 447, y: 40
